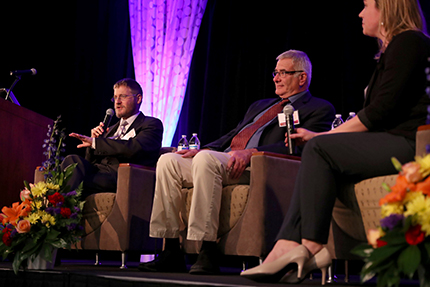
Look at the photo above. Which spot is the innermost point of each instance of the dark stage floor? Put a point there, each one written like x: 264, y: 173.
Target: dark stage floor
x: 82, y: 273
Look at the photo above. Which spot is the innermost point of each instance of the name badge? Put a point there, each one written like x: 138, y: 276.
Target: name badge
x: 283, y: 122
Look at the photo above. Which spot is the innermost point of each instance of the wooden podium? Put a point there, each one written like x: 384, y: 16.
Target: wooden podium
x: 22, y: 133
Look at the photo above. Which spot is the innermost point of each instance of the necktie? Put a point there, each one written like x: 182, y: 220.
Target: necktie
x: 241, y: 139
x: 122, y: 131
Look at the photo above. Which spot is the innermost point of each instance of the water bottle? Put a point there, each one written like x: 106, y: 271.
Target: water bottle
x: 183, y: 143
x: 351, y: 115
x: 194, y: 142
x: 337, y: 121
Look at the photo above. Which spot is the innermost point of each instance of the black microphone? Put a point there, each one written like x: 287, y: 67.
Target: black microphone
x: 107, y: 119
x: 24, y: 72
x: 288, y: 112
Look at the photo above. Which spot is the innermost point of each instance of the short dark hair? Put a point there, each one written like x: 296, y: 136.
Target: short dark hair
x: 131, y: 83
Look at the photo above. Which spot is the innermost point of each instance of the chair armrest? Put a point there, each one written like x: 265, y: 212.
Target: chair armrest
x: 278, y: 155
x: 423, y: 139
x: 38, y: 175
x: 271, y: 187
x: 132, y: 208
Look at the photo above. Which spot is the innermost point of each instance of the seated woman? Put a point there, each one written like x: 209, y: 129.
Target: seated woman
x: 395, y: 105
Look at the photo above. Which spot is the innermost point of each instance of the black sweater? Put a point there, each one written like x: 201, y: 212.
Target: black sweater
x: 396, y: 101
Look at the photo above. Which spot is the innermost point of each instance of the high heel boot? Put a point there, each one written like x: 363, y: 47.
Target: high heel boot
x: 275, y: 270
x: 322, y: 260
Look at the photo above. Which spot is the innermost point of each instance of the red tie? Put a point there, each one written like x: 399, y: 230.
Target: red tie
x: 242, y: 138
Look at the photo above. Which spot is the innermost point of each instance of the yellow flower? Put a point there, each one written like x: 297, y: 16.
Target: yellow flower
x: 33, y: 218
x: 39, y: 189
x: 419, y: 208
x: 36, y: 205
x: 53, y: 186
x: 390, y: 208
x: 411, y: 195
x: 416, y: 205
x: 48, y: 219
x: 424, y: 162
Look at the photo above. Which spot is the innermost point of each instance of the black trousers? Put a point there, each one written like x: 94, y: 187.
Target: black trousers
x: 96, y: 178
x: 328, y: 161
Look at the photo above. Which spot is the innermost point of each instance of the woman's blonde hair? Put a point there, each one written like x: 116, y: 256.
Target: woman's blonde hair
x: 398, y: 16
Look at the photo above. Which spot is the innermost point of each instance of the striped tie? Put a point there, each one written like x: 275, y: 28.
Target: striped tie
x: 241, y: 139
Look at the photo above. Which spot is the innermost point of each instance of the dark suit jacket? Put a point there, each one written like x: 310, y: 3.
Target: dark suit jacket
x: 142, y: 149
x: 315, y: 114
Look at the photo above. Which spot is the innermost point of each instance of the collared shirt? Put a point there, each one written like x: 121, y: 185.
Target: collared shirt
x: 255, y: 139
x: 129, y: 120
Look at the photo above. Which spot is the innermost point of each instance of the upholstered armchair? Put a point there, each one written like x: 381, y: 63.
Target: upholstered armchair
x: 252, y: 214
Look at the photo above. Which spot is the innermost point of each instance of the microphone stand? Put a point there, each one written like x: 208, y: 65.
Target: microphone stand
x: 9, y: 92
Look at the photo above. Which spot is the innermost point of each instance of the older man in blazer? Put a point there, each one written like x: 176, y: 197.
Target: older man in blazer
x: 225, y: 162
x: 136, y: 138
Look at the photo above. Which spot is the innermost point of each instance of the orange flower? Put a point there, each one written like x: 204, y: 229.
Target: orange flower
x: 424, y: 186
x: 398, y: 191
x: 23, y: 226
x: 12, y: 214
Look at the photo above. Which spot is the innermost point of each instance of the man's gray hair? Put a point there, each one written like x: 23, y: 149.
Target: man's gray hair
x: 301, y: 62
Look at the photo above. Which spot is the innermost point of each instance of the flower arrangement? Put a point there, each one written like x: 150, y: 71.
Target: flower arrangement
x: 401, y: 245
x: 49, y: 213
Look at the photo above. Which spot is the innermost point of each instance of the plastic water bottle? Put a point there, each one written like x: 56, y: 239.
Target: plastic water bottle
x: 194, y: 142
x: 183, y: 143
x: 351, y: 115
x: 337, y: 121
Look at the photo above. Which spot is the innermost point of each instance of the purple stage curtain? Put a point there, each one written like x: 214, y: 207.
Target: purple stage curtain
x: 163, y: 36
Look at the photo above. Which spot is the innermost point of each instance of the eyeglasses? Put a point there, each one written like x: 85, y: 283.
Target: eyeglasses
x: 283, y: 73
x: 121, y: 97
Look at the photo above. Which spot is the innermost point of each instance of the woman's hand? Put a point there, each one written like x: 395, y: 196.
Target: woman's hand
x: 301, y: 136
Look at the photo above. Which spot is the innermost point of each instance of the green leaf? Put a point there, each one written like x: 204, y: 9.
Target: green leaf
x: 427, y: 249
x: 390, y: 277
x: 409, y: 260
x: 363, y: 250
x: 397, y: 164
x: 386, y: 187
x: 424, y: 275
x: 394, y: 237
x: 52, y: 235
x: 27, y: 185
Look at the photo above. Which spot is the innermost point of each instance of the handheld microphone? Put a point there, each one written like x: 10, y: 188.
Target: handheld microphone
x: 107, y: 119
x: 288, y: 111
x: 24, y: 72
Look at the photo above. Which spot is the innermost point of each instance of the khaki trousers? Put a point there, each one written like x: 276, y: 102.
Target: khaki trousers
x: 207, y: 173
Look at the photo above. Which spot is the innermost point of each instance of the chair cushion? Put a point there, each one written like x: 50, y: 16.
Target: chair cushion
x: 233, y: 203
x: 96, y: 209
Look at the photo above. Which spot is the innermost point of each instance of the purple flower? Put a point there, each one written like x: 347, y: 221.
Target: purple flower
x: 77, y: 209
x: 72, y: 193
x: 391, y: 221
x: 50, y: 210
x: 71, y: 227
x: 74, y: 215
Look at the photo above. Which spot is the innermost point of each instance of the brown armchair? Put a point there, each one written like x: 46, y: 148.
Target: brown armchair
x: 251, y: 215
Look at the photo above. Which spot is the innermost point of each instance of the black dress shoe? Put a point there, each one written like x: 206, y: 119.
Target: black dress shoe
x: 167, y: 261
x: 207, y: 263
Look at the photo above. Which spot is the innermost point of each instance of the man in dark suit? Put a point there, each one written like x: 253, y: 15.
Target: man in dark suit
x: 136, y: 138
x: 225, y: 162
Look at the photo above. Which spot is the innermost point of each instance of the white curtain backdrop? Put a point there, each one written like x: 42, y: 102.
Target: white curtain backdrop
x: 163, y: 37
